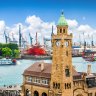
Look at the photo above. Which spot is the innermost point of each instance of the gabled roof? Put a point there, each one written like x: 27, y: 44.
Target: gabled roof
x: 35, y: 70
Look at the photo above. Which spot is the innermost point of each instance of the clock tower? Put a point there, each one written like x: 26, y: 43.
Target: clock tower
x: 61, y: 75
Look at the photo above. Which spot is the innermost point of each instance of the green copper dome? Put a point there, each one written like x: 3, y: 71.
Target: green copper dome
x: 62, y: 21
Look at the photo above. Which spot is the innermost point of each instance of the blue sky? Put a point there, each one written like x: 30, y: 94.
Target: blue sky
x: 35, y: 14
x: 14, y: 11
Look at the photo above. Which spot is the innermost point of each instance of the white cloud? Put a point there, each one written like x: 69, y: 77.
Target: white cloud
x: 35, y: 24
x: 2, y: 26
x: 72, y: 23
x: 85, y: 28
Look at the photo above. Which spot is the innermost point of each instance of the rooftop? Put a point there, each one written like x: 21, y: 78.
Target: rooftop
x: 35, y: 70
x: 62, y: 21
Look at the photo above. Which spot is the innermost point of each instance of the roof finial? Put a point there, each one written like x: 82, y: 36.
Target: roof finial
x: 62, y: 12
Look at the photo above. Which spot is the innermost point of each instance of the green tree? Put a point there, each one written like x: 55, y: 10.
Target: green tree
x: 6, y: 52
x: 12, y: 46
x: 16, y: 53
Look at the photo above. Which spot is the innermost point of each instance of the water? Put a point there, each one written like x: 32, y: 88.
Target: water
x: 10, y: 75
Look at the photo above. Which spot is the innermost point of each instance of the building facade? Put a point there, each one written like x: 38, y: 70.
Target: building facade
x: 59, y: 78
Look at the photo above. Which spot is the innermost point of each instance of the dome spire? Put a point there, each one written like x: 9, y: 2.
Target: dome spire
x: 62, y: 12
x: 62, y: 20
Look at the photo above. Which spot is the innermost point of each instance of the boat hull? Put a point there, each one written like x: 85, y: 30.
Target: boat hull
x: 6, y: 62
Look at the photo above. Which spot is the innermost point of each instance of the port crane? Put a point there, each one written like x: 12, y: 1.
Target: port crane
x: 14, y: 40
x: 6, y: 38
x: 20, y: 35
x: 30, y: 39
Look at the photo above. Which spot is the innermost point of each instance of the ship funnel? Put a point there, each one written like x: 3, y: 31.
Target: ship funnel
x: 89, y: 69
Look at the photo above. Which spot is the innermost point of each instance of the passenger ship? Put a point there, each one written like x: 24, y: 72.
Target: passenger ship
x: 5, y: 61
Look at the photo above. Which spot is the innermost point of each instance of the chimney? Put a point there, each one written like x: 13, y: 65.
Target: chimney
x: 42, y: 66
x: 89, y: 69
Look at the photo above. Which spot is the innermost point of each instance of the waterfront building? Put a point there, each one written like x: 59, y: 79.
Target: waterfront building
x: 59, y: 78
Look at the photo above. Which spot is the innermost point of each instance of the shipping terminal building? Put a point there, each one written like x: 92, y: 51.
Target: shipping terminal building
x: 59, y: 78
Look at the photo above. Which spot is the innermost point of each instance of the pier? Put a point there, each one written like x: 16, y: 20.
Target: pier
x: 11, y: 90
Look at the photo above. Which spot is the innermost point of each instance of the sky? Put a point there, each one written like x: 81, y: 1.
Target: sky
x: 40, y: 15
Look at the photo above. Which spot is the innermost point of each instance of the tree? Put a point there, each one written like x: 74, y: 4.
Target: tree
x: 6, y: 52
x: 16, y: 53
x: 12, y: 46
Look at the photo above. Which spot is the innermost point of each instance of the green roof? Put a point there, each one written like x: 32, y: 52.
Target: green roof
x: 62, y: 20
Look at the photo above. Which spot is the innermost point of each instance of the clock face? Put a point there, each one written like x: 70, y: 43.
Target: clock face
x: 58, y: 43
x: 66, y: 43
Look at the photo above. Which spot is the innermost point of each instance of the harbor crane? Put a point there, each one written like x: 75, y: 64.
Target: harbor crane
x: 20, y: 35
x: 9, y: 39
x: 6, y: 38
x: 30, y: 39
x: 23, y: 41
x: 14, y: 40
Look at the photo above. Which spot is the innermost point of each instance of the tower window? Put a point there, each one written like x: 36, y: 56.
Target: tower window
x: 66, y: 53
x: 58, y: 85
x: 63, y: 30
x: 89, y: 94
x: 95, y: 93
x: 53, y: 84
x: 67, y: 85
x: 67, y: 73
x: 56, y: 66
x: 60, y: 30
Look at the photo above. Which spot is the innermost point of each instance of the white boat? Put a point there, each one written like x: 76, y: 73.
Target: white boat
x: 5, y: 61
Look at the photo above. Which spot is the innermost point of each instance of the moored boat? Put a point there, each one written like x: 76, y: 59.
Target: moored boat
x: 5, y: 61
x: 89, y: 56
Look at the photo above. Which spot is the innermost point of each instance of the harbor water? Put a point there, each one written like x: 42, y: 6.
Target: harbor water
x: 12, y: 75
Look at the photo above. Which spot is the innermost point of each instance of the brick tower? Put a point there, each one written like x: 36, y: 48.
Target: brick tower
x: 61, y: 75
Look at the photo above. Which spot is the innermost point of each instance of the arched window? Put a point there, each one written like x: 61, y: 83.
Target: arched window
x: 79, y: 95
x: 36, y: 93
x: 60, y: 30
x: 63, y: 30
x: 44, y: 94
x: 66, y: 53
x: 28, y: 92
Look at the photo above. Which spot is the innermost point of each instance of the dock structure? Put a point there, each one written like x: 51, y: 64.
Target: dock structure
x: 11, y: 90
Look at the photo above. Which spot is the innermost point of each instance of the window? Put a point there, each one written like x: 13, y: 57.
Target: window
x: 89, y: 94
x: 67, y: 85
x: 56, y: 66
x: 63, y: 30
x: 56, y: 85
x: 36, y: 80
x: 67, y: 73
x: 45, y: 81
x: 66, y: 53
x: 95, y: 93
x: 29, y: 79
x: 60, y: 30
